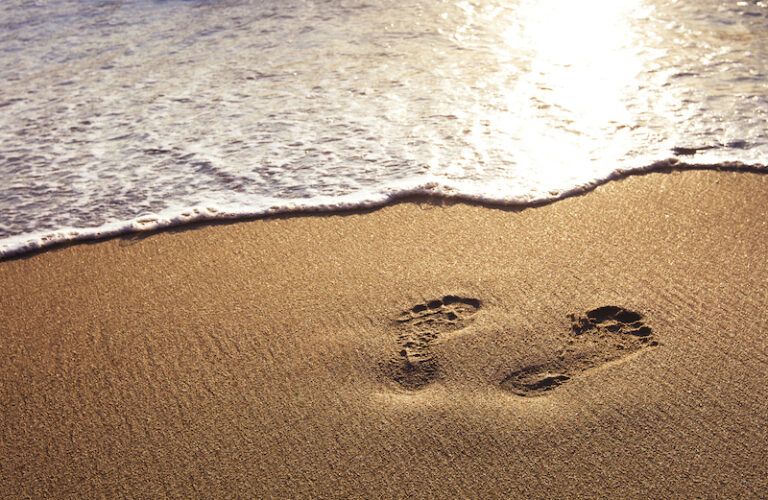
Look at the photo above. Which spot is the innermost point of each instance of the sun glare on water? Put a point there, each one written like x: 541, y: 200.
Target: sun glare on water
x: 577, y: 66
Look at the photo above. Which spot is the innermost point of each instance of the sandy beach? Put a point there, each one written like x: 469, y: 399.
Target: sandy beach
x: 612, y: 344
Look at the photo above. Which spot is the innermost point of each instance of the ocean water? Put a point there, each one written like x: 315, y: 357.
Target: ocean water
x: 119, y: 116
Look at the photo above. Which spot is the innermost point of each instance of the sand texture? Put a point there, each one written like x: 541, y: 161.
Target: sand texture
x: 607, y: 345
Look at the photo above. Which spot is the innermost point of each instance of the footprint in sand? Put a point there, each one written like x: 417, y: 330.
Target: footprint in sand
x: 418, y: 330
x: 605, y: 334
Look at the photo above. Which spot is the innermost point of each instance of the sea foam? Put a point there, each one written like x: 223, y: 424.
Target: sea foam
x: 132, y: 116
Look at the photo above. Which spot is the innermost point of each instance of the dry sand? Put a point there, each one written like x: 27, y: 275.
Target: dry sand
x: 292, y: 357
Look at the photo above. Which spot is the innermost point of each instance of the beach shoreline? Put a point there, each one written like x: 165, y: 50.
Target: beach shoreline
x: 193, y: 217
x: 288, y: 356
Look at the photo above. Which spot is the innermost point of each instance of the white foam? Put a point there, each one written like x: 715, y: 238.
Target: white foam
x: 122, y: 117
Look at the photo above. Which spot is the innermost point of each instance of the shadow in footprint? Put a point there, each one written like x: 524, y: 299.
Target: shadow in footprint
x: 598, y: 336
x: 534, y: 380
x: 418, y: 329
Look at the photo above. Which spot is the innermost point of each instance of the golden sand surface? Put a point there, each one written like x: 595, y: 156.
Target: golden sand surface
x: 613, y: 344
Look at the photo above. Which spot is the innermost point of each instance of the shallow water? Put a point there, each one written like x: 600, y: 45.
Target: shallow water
x: 120, y: 116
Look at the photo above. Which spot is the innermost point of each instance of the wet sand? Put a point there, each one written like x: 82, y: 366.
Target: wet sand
x: 610, y: 344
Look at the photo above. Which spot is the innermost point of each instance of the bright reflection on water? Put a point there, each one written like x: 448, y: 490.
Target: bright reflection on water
x: 571, y: 103
x: 115, y: 109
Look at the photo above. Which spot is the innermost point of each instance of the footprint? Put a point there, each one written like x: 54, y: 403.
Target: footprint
x: 418, y: 329
x: 598, y: 336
